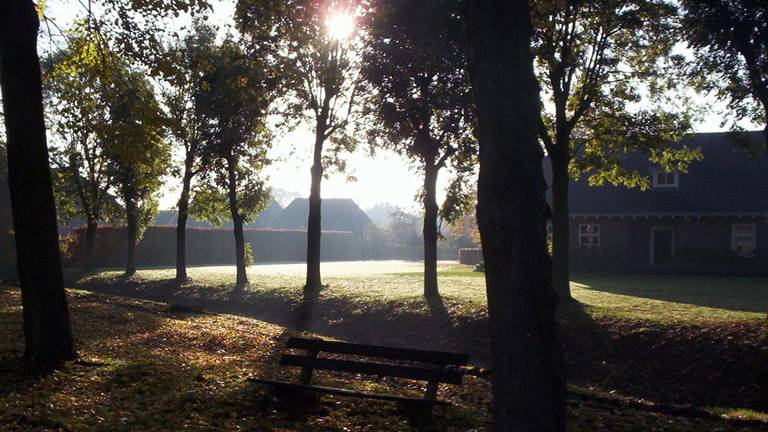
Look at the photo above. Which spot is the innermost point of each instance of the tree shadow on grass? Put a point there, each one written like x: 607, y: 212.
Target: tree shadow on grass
x: 747, y: 294
x: 678, y: 363
x: 437, y: 309
x: 303, y: 315
x: 702, y: 365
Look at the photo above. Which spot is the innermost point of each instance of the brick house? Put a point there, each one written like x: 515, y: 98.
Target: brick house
x: 711, y: 220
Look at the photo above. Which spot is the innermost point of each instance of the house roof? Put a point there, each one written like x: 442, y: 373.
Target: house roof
x: 264, y: 220
x: 337, y: 214
x: 728, y: 180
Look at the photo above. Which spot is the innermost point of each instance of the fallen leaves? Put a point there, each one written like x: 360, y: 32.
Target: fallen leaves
x: 147, y: 366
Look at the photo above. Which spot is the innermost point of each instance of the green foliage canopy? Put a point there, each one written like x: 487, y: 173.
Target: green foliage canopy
x: 321, y: 72
x: 78, y: 108
x: 609, y: 78
x: 420, y: 100
x: 730, y: 45
x: 135, y: 139
x: 231, y: 99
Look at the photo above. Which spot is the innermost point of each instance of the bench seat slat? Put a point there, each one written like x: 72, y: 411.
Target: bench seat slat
x: 406, y: 354
x: 371, y: 368
x: 350, y: 393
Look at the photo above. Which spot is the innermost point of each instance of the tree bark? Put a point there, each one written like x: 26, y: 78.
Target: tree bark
x: 430, y: 229
x: 314, y: 221
x: 765, y: 136
x: 47, y: 332
x: 528, y: 369
x: 181, y: 224
x: 91, y: 227
x: 237, y: 224
x: 132, y: 232
x: 559, y: 161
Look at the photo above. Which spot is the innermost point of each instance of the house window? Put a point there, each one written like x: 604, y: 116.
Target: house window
x: 743, y: 239
x: 663, y: 179
x: 589, y: 236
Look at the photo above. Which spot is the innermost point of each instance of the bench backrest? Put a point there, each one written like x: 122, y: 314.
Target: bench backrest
x: 438, y: 366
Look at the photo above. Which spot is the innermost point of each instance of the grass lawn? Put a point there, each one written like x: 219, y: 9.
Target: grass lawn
x: 659, y: 298
x: 673, y: 298
x: 641, y: 353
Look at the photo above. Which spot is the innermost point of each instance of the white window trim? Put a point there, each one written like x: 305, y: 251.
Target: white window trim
x: 734, y: 246
x: 595, y: 234
x: 655, y: 183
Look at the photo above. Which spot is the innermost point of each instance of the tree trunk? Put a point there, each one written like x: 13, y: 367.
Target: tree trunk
x: 237, y: 224
x: 132, y: 228
x: 560, y: 227
x: 91, y: 227
x: 314, y: 222
x: 765, y: 136
x: 528, y: 369
x: 430, y: 230
x: 181, y: 224
x: 47, y: 332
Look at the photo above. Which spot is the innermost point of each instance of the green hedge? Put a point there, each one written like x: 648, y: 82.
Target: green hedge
x: 216, y: 246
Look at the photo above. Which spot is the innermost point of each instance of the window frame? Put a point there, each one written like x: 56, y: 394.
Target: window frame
x: 596, y: 235
x: 655, y: 183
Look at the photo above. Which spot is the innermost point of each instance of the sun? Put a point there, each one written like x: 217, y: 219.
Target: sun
x: 340, y: 26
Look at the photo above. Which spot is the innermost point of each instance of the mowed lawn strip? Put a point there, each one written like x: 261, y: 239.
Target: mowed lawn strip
x: 661, y: 298
x: 150, y: 366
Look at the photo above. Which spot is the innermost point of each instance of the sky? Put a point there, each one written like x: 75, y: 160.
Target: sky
x: 383, y: 178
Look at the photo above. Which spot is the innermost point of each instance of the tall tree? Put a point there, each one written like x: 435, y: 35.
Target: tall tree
x: 135, y: 29
x: 403, y: 233
x: 596, y: 59
x: 7, y: 250
x: 139, y: 154
x: 47, y: 332
x: 528, y: 370
x: 232, y: 106
x: 730, y: 47
x: 421, y: 104
x: 79, y: 109
x: 187, y: 62
x: 316, y: 42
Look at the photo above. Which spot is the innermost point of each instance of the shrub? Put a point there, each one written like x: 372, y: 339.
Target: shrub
x: 216, y: 246
x: 249, y: 258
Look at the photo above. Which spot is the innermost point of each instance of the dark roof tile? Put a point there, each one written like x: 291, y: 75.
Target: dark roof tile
x: 728, y: 179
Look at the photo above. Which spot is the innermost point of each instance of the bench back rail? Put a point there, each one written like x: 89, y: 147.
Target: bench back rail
x: 439, y: 367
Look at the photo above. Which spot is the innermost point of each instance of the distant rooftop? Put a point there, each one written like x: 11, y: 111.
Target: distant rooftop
x: 337, y: 214
x: 264, y: 220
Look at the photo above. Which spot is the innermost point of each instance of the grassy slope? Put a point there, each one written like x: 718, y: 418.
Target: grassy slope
x: 649, y: 297
x: 147, y: 366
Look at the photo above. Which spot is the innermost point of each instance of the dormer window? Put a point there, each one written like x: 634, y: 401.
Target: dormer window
x: 663, y: 179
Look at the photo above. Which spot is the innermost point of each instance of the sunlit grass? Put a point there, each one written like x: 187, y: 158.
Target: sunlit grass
x: 740, y: 413
x: 668, y: 298
x: 660, y: 298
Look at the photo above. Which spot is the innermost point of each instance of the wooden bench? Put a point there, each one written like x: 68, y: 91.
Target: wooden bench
x: 434, y: 367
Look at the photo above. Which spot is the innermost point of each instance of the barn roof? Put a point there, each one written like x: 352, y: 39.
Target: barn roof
x: 337, y: 214
x: 728, y: 180
x: 264, y: 220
